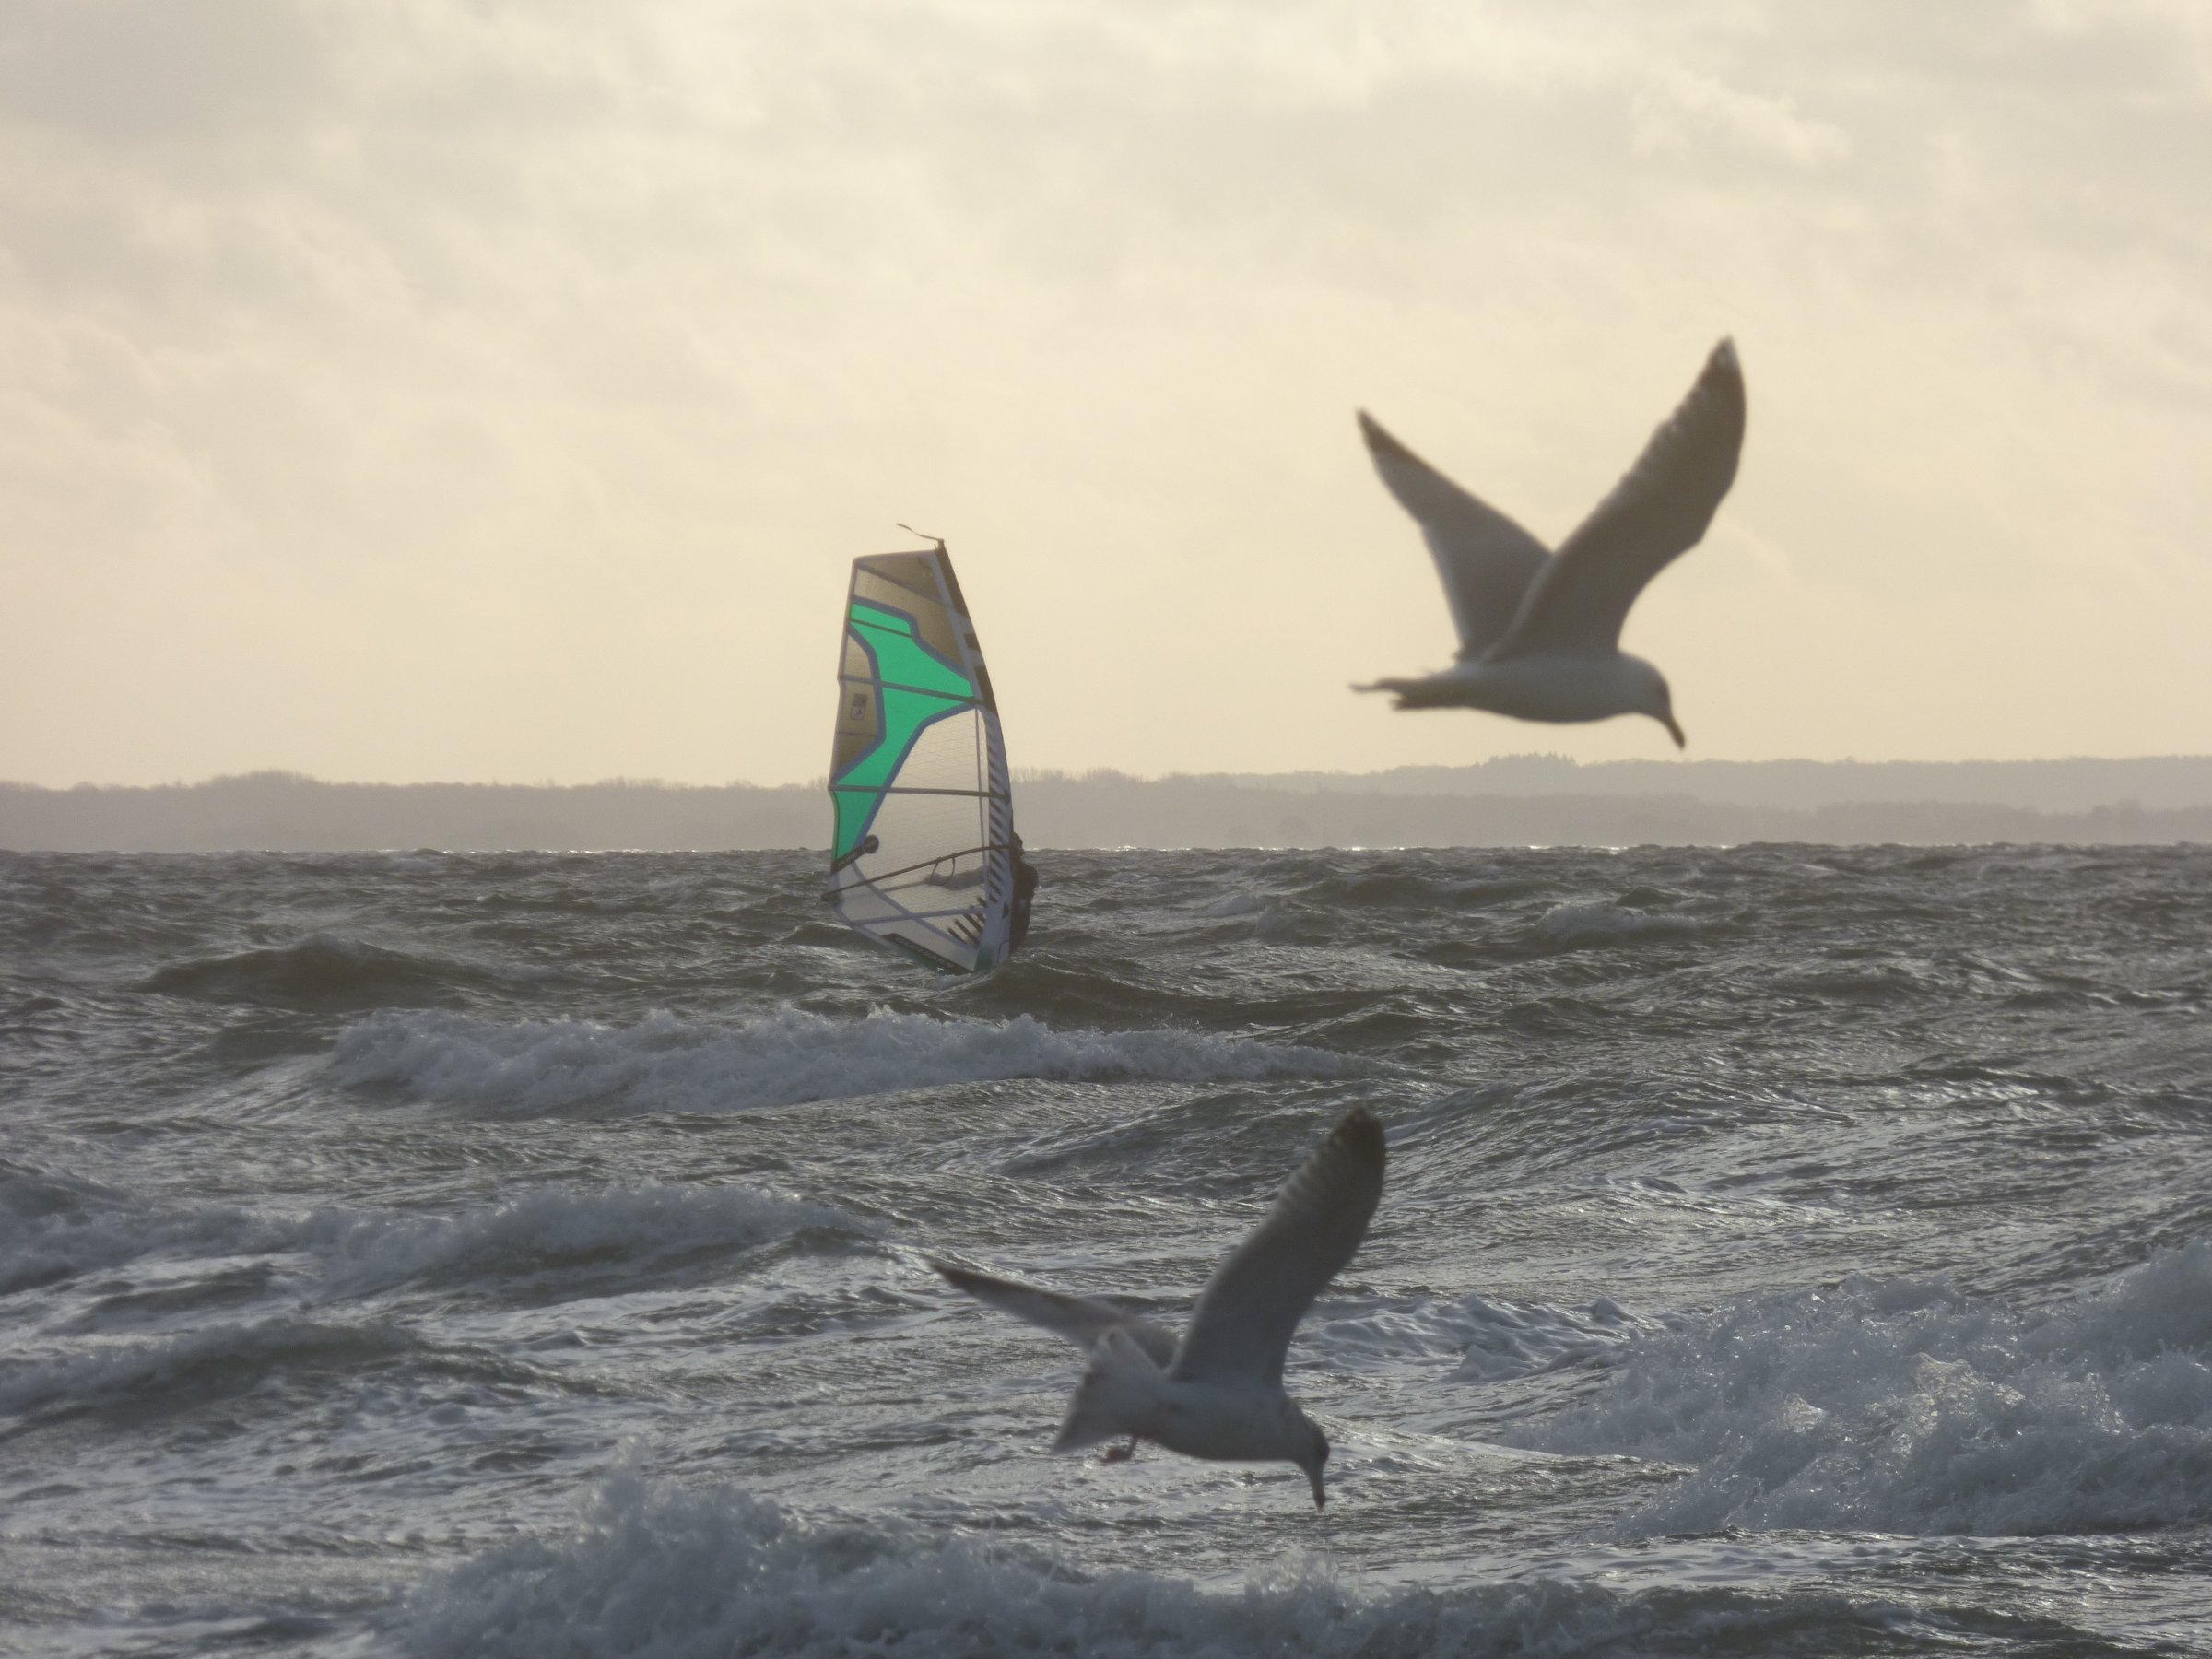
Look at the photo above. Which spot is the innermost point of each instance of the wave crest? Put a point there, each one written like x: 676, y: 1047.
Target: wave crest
x: 215, y: 1362
x: 323, y: 973
x: 663, y: 1063
x: 1912, y: 1408
x: 565, y: 1230
x: 659, y: 1573
x: 1588, y: 926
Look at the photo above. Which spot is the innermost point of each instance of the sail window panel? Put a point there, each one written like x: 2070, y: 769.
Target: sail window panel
x: 948, y: 754
x: 914, y: 833
x: 960, y: 880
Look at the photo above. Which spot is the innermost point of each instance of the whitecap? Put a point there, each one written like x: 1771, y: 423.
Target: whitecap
x: 1910, y: 1406
x: 55, y: 1228
x: 663, y: 1064
x: 658, y: 1572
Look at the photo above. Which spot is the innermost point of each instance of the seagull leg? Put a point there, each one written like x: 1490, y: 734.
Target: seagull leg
x: 1119, y: 1454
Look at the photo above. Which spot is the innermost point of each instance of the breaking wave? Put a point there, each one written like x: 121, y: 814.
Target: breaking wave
x: 55, y: 1230
x: 55, y: 1226
x: 663, y: 1064
x: 1908, y: 1406
x: 655, y: 1572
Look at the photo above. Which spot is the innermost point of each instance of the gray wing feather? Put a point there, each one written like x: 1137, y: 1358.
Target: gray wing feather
x: 1486, y: 560
x: 1655, y: 515
x: 1078, y: 1318
x: 1250, y: 1307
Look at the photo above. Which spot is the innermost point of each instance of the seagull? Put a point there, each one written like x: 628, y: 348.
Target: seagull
x: 1539, y: 633
x: 1218, y: 1394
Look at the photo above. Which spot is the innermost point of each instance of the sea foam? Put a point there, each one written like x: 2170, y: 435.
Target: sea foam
x: 656, y: 1572
x: 663, y: 1064
x: 1910, y: 1406
x: 54, y: 1228
x: 57, y: 1230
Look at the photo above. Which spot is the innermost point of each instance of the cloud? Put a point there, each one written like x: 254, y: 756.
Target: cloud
x: 131, y: 73
x: 555, y: 357
x: 1677, y: 107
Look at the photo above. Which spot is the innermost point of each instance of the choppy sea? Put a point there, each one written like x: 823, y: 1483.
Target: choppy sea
x: 1786, y: 1250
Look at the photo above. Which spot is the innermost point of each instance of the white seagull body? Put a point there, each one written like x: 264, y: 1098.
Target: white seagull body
x: 1539, y: 632
x: 1218, y: 1394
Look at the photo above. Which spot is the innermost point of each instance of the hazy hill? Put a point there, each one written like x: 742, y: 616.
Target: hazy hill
x: 1530, y: 800
x: 2077, y: 785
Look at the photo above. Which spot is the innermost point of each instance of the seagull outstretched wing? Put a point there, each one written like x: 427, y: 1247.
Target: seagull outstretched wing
x: 1656, y: 513
x: 1485, y: 559
x: 1078, y: 1318
x: 1250, y: 1307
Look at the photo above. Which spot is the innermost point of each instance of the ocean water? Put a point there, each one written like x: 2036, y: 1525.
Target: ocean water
x: 1785, y: 1250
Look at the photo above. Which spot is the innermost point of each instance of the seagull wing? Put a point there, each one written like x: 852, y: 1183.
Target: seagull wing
x: 1485, y: 559
x: 1250, y: 1307
x: 1078, y: 1318
x: 1656, y: 514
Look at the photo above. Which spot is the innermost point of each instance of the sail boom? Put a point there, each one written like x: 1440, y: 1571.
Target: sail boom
x: 976, y: 794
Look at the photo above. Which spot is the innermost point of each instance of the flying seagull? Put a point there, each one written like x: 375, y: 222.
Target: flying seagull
x: 1218, y: 1394
x: 1539, y: 633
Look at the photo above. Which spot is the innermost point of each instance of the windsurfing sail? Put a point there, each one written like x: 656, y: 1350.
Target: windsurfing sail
x: 920, y: 855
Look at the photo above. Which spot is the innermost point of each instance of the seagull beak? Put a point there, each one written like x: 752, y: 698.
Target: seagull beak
x: 1675, y: 732
x: 1321, y: 1499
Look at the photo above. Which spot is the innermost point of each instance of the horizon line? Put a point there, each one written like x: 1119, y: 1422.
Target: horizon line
x: 1101, y: 774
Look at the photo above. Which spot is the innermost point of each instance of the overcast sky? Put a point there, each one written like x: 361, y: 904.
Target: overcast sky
x: 498, y: 392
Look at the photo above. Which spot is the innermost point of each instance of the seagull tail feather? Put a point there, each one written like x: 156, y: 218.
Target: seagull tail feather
x: 1114, y: 1397
x: 1397, y: 688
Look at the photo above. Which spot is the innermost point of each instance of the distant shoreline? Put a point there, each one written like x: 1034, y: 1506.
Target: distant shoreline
x: 1520, y: 801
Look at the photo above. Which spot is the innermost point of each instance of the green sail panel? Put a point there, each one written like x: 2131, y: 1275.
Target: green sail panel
x: 921, y: 828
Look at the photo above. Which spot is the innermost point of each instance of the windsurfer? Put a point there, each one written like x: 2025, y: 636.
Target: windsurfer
x: 1024, y: 890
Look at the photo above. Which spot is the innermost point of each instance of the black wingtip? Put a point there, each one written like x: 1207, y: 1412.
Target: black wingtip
x: 1377, y: 438
x: 1360, y: 1131
x: 978, y: 1285
x: 1720, y: 383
